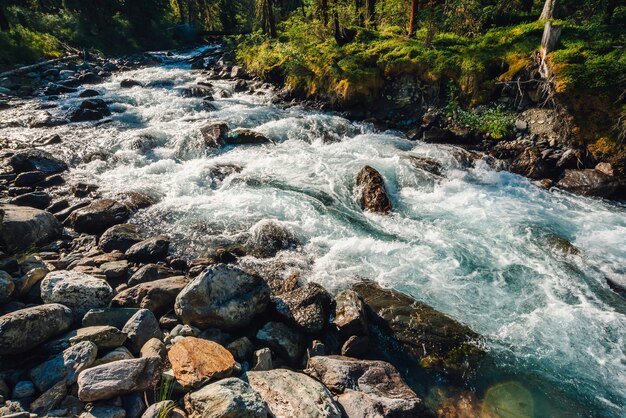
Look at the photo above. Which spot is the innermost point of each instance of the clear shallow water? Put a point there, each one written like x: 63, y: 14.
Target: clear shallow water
x: 475, y: 243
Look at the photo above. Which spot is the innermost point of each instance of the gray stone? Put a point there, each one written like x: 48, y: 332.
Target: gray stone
x: 36, y: 160
x: 262, y: 360
x: 49, y: 399
x: 268, y: 237
x: 154, y: 348
x: 103, y: 336
x: 116, y: 317
x: 115, y: 269
x: 104, y: 411
x: 98, y: 216
x: 241, y: 349
x: 222, y: 296
x: 140, y: 328
x: 120, y: 353
x: 23, y: 390
x: 6, y: 287
x: 78, y: 291
x: 350, y: 317
x: 24, y: 228
x: 118, y: 378
x: 282, y: 340
x: 120, y: 237
x: 228, y: 398
x: 306, y: 307
x: 64, y: 366
x: 380, y: 381
x: 158, y: 296
x: 148, y: 273
x: 150, y: 250
x: 26, y: 328
x: 34, y: 271
x: 291, y: 394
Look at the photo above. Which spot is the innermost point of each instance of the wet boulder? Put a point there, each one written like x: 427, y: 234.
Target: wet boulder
x: 78, y: 291
x: 38, y: 200
x: 119, y: 378
x: 246, y: 137
x: 23, y: 228
x: 229, y: 397
x: 433, y: 339
x: 292, y: 394
x: 150, y: 250
x: 196, y: 361
x: 120, y: 237
x: 223, y: 297
x: 531, y: 164
x: 371, y: 187
x: 214, y: 134
x: 593, y: 182
x: 429, y: 165
x: 158, y: 296
x: 129, y: 83
x: 88, y: 93
x: 98, y: 216
x: 36, y: 160
x: 197, y: 91
x: 29, y: 178
x: 366, y: 387
x: 306, y: 307
x: 268, y: 237
x: 27, y: 328
x: 90, y: 110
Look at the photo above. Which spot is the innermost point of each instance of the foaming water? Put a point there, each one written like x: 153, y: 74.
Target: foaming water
x: 483, y: 246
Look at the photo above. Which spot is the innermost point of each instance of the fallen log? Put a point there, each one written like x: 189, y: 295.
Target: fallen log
x: 32, y: 67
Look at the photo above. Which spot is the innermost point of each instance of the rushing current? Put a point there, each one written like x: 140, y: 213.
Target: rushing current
x: 486, y: 247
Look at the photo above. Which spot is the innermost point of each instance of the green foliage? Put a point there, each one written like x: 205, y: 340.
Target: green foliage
x: 493, y: 121
x: 23, y: 45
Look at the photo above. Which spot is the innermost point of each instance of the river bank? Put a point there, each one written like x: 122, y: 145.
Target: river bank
x: 210, y: 187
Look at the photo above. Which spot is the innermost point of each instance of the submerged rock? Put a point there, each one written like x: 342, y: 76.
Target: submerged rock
x: 366, y: 388
x: 291, y: 394
x: 372, y: 191
x: 23, y: 228
x: 195, y: 361
x: 433, y: 339
x: 246, y: 137
x: 228, y: 398
x: 223, y: 297
x: 27, y: 328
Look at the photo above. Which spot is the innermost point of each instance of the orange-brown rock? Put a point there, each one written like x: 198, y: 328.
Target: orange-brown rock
x: 196, y: 361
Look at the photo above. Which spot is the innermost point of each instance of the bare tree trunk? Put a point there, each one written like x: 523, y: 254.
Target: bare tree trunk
x: 270, y: 18
x: 415, y: 4
x: 549, y: 41
x: 548, y: 10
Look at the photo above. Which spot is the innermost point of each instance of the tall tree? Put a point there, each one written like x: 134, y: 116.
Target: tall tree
x: 415, y: 5
x: 4, y: 22
x: 548, y: 10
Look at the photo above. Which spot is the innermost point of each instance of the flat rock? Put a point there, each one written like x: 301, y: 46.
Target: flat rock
x: 140, y: 328
x: 24, y: 228
x: 381, y: 386
x: 222, y: 297
x: 98, y: 216
x: 64, y: 366
x: 432, y: 338
x: 78, y: 291
x: 27, y: 328
x: 291, y: 394
x: 158, y: 296
x: 36, y: 160
x: 228, y: 398
x: 307, y: 307
x: 116, y: 317
x: 103, y: 336
x: 150, y: 250
x: 195, y: 361
x: 371, y: 187
x: 120, y: 237
x: 118, y: 378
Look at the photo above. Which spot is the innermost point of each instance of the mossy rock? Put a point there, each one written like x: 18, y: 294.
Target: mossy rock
x: 432, y: 339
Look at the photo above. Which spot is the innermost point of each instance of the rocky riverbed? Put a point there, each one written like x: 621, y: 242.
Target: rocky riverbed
x: 177, y: 241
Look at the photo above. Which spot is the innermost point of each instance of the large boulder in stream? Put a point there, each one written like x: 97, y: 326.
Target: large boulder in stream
x: 246, y: 137
x: 214, y: 134
x: 23, y: 228
x: 366, y: 388
x: 372, y: 191
x: 27, y: 328
x: 222, y: 297
x: 89, y: 110
x: 433, y: 339
x: 593, y: 183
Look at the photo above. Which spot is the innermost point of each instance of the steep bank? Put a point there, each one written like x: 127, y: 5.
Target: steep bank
x: 396, y: 81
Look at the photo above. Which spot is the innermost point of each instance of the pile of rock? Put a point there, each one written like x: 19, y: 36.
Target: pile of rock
x: 99, y: 318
